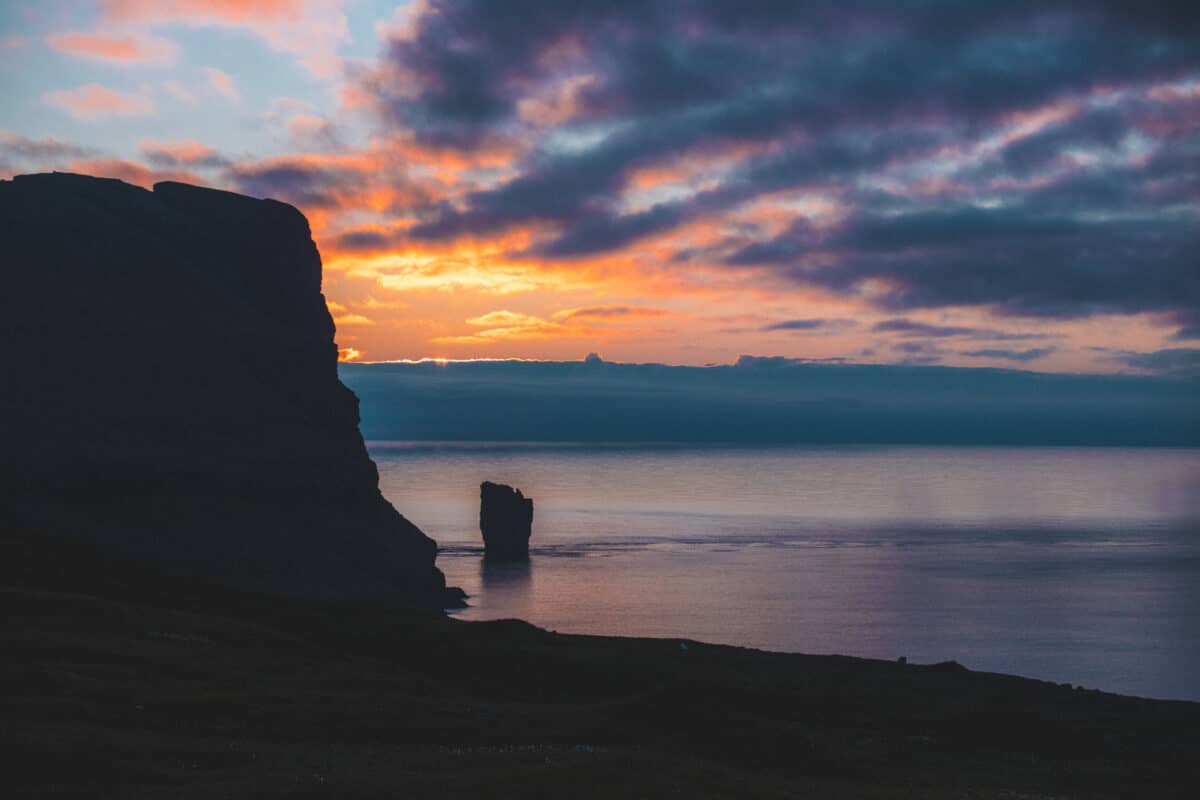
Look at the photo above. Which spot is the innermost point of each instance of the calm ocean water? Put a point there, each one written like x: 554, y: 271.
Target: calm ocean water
x: 1072, y: 565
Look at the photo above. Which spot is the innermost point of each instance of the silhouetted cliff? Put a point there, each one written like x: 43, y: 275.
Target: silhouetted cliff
x: 172, y: 393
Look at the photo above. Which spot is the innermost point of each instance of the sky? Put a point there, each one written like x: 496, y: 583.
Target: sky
x: 999, y: 184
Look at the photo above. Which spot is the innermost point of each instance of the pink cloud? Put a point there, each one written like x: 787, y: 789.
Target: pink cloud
x: 125, y: 49
x: 93, y: 101
x: 221, y: 82
x: 309, y: 30
x: 236, y: 11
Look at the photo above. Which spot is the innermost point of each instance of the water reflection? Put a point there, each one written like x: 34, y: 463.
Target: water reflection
x: 506, y: 584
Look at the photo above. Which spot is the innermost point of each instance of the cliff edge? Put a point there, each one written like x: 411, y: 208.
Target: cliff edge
x: 172, y: 394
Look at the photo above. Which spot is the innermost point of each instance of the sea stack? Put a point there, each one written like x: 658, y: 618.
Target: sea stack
x: 506, y: 522
x: 174, y: 396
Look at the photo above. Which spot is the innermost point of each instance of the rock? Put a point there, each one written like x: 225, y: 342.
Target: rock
x: 505, y: 520
x: 173, y: 394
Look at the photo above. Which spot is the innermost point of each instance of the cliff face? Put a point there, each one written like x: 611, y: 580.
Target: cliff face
x: 172, y: 393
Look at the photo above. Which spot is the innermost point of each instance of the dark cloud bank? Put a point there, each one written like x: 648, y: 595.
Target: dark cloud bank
x: 769, y: 401
x: 1092, y: 211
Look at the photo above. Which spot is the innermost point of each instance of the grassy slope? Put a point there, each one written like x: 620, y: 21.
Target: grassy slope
x: 117, y: 681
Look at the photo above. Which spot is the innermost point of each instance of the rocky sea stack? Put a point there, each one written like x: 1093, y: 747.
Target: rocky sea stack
x: 506, y: 522
x: 173, y: 394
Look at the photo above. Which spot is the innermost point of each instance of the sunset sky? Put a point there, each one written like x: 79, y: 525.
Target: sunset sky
x: 1012, y: 184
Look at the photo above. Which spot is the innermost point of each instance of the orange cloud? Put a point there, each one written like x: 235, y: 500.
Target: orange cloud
x: 348, y: 354
x: 125, y: 49
x: 448, y: 163
x: 507, y: 326
x: 424, y: 273
x: 306, y: 125
x: 350, y: 320
x: 93, y: 101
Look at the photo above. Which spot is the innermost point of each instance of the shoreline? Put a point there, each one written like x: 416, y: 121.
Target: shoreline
x: 126, y: 680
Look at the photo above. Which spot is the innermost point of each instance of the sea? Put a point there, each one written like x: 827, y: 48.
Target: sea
x: 1073, y: 565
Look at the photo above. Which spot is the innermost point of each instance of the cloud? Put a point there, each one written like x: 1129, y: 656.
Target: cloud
x: 810, y: 325
x: 504, y: 325
x: 93, y: 102
x: 1022, y: 259
x: 1025, y: 159
x: 352, y: 320
x: 309, y: 182
x: 909, y: 327
x: 221, y: 83
x: 1189, y: 324
x: 1011, y: 355
x: 611, y: 311
x: 1176, y: 361
x: 311, y: 31
x: 919, y: 353
x: 346, y: 354
x: 507, y: 318
x: 768, y: 363
x: 359, y: 182
x: 116, y: 48
x: 43, y: 152
x: 185, y: 153
x: 231, y: 11
x: 310, y: 131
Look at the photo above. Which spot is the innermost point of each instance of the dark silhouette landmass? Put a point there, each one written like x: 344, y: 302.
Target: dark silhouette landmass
x: 172, y: 393
x: 769, y: 401
x: 506, y: 522
x: 196, y: 576
x: 119, y: 683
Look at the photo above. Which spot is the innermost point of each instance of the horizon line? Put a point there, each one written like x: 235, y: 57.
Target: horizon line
x: 786, y: 361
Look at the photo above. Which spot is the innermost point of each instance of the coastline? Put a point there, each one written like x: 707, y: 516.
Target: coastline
x: 127, y: 680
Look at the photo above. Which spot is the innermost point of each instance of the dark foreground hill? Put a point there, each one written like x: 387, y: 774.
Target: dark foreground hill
x: 209, y: 693
x: 171, y: 393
